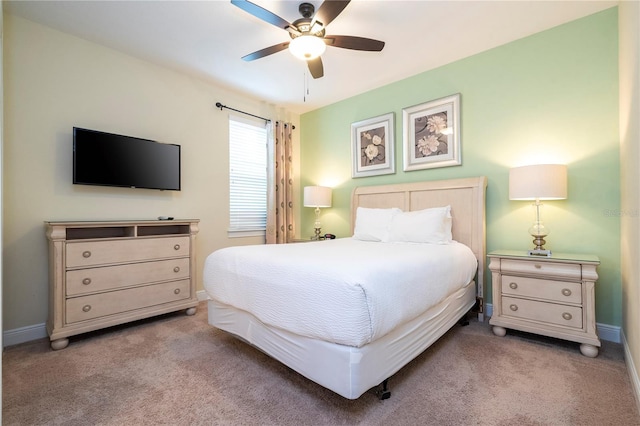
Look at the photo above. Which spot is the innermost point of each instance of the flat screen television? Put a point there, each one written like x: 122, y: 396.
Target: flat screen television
x: 108, y: 159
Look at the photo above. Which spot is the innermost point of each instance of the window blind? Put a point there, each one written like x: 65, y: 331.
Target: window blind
x: 247, y: 176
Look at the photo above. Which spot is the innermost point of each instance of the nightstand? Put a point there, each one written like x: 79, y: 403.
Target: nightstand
x: 552, y: 296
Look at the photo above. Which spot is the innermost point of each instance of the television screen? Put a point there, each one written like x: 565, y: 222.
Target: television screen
x: 107, y: 159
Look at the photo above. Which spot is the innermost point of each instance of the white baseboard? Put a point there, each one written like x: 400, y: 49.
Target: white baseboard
x: 633, y: 371
x: 39, y: 331
x: 24, y: 334
x: 610, y: 333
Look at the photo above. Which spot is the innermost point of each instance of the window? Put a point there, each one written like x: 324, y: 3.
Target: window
x: 247, y: 177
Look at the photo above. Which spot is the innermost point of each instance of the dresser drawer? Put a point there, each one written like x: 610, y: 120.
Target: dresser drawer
x: 91, y: 253
x: 555, y: 269
x: 569, y: 316
x: 99, y: 305
x: 560, y: 291
x: 91, y: 280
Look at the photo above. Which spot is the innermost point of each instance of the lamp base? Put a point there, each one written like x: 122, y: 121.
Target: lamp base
x: 539, y: 252
x: 538, y: 241
x: 316, y: 237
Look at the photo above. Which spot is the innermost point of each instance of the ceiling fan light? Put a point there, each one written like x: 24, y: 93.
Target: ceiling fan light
x: 307, y: 47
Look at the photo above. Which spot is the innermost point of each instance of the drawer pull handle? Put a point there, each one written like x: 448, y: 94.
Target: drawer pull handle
x: 176, y: 269
x: 566, y: 292
x: 86, y: 254
x: 513, y: 307
x: 176, y: 247
x: 567, y: 316
x: 176, y: 291
x: 86, y: 281
x: 86, y: 308
x: 537, y: 266
x: 513, y: 286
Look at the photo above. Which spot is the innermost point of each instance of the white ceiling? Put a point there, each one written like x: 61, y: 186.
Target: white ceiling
x: 208, y: 38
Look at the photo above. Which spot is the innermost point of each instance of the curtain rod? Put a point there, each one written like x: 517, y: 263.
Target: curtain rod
x: 219, y: 105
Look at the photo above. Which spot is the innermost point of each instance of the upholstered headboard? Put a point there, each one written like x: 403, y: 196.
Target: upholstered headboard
x: 465, y: 196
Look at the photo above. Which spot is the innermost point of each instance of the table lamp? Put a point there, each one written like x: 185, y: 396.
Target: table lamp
x: 317, y: 196
x: 538, y: 182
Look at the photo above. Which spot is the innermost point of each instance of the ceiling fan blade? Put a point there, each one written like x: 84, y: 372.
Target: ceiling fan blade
x: 316, y: 68
x: 328, y: 11
x: 266, y: 51
x: 354, y: 43
x: 261, y: 13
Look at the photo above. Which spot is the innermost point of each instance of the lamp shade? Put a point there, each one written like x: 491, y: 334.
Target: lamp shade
x: 307, y: 47
x: 317, y: 196
x: 540, y: 181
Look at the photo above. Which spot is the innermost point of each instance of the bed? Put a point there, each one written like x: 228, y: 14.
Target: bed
x: 349, y: 313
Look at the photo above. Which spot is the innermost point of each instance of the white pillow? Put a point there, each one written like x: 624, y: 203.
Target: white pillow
x: 373, y: 224
x: 422, y: 226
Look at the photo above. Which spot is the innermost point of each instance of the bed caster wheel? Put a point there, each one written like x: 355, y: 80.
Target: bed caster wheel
x: 384, y: 393
x: 190, y: 311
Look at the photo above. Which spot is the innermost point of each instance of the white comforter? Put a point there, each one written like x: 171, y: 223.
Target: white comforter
x: 342, y: 291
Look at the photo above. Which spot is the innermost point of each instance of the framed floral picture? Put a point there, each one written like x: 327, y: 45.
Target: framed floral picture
x: 372, y: 146
x: 431, y: 134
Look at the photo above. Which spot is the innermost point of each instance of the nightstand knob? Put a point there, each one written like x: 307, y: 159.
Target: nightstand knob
x: 537, y: 266
x: 566, y: 292
x: 86, y: 308
x: 176, y: 269
x: 86, y: 254
x: 176, y: 247
x: 86, y: 281
x: 513, y: 307
x: 176, y: 291
x: 567, y: 316
x: 513, y: 286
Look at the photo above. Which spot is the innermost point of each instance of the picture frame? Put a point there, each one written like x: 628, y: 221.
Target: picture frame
x: 431, y: 134
x: 373, y: 146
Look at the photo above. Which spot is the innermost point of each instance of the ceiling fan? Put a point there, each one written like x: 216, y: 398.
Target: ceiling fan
x: 308, y: 39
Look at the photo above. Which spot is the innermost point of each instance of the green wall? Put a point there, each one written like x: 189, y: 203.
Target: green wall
x: 551, y: 97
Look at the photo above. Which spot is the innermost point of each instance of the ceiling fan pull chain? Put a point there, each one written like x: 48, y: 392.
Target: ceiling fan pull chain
x: 305, y: 88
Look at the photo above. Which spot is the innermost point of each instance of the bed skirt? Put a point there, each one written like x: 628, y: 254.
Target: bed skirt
x: 346, y: 370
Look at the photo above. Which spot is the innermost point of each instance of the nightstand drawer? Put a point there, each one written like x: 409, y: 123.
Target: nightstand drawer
x: 569, y: 316
x: 557, y: 291
x: 542, y: 267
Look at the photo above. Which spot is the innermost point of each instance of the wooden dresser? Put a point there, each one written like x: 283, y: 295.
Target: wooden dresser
x: 107, y: 273
x: 553, y: 296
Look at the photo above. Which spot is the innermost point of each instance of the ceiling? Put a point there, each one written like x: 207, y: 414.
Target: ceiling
x: 208, y: 38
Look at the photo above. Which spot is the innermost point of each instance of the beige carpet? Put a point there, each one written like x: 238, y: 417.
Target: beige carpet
x: 178, y: 370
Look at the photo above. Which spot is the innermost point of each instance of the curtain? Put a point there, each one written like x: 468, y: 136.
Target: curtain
x: 280, y: 221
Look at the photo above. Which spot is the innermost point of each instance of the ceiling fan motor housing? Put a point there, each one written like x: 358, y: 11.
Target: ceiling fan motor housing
x: 304, y: 27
